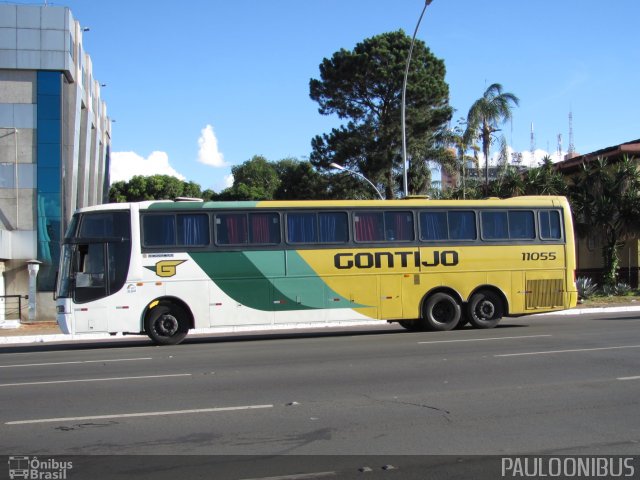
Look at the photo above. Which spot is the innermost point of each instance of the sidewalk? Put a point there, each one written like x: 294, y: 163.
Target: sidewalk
x: 40, y: 332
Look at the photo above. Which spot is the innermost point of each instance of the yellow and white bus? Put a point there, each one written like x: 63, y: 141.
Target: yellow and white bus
x: 165, y: 267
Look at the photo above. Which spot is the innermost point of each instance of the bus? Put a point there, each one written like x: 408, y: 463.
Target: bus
x: 162, y: 268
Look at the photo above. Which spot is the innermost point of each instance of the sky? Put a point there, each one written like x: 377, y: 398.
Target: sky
x: 197, y: 86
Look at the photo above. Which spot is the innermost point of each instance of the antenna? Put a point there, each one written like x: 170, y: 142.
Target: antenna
x: 533, y: 146
x: 572, y: 148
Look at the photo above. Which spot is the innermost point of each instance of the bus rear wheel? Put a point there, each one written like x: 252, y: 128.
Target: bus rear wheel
x: 485, y: 309
x: 441, y: 312
x: 166, y: 324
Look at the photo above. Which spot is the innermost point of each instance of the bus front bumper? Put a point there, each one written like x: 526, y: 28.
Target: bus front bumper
x: 64, y: 317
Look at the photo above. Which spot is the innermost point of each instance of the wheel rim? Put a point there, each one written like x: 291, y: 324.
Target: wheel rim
x: 443, y: 312
x: 486, y: 310
x: 167, y: 325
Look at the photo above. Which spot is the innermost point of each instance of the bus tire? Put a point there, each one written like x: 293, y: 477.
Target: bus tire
x: 485, y: 309
x: 166, y: 324
x: 441, y: 312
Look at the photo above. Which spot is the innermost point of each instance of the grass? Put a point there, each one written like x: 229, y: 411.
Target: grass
x: 605, y: 301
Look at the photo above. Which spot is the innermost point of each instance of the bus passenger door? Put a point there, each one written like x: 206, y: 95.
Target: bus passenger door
x: 90, y: 288
x: 390, y: 296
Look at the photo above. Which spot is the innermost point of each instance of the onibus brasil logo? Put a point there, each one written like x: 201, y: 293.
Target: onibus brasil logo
x: 34, y: 468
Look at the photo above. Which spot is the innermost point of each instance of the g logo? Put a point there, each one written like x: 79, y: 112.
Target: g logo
x: 167, y: 268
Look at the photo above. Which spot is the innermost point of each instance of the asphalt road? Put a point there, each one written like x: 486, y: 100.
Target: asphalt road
x: 546, y: 385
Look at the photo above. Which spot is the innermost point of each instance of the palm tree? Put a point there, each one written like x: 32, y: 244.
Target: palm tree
x: 486, y: 114
x: 606, y: 200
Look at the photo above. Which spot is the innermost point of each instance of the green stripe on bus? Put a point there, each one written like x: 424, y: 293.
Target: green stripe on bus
x: 257, y: 280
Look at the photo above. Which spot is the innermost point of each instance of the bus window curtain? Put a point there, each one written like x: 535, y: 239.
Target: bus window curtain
x: 433, y: 226
x: 260, y: 228
x: 236, y: 229
x: 193, y: 229
x: 369, y: 227
x: 462, y: 226
x: 328, y: 230
x: 402, y: 226
x: 301, y: 228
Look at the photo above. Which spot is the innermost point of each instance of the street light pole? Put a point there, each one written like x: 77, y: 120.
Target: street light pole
x: 340, y: 167
x: 404, y: 95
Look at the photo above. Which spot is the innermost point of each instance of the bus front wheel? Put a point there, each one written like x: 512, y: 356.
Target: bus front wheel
x: 485, y: 309
x: 166, y: 324
x: 441, y: 312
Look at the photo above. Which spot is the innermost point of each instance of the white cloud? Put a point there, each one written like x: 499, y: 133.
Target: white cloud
x: 208, y: 152
x: 228, y: 181
x: 125, y: 165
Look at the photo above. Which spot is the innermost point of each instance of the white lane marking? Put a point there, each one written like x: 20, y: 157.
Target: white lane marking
x: 484, y: 339
x: 94, y: 380
x: 567, y: 351
x: 140, y: 414
x: 299, y: 476
x: 77, y: 362
x: 629, y: 378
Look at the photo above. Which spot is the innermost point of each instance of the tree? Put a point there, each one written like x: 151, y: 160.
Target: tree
x: 255, y: 179
x: 605, y: 200
x: 153, y: 187
x: 299, y: 181
x: 364, y: 86
x: 486, y: 114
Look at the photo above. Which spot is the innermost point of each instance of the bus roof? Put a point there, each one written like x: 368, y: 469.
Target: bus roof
x: 531, y: 201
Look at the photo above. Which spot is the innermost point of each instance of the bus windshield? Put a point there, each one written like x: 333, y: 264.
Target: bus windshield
x: 95, y: 256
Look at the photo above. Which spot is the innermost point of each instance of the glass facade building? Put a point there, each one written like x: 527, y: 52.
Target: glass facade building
x: 54, y: 142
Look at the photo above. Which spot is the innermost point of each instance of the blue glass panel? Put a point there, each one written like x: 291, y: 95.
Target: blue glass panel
x: 49, y: 155
x: 49, y: 107
x: 49, y: 180
x: 49, y: 131
x: 49, y: 83
x: 49, y: 205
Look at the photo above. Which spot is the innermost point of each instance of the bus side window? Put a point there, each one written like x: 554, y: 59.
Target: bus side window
x: 159, y: 230
x: 231, y: 228
x: 334, y: 227
x: 550, y: 225
x: 193, y: 229
x: 494, y: 225
x: 462, y: 226
x: 264, y: 228
x: 521, y: 225
x: 302, y: 228
x: 369, y: 226
x: 399, y: 226
x: 433, y: 226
